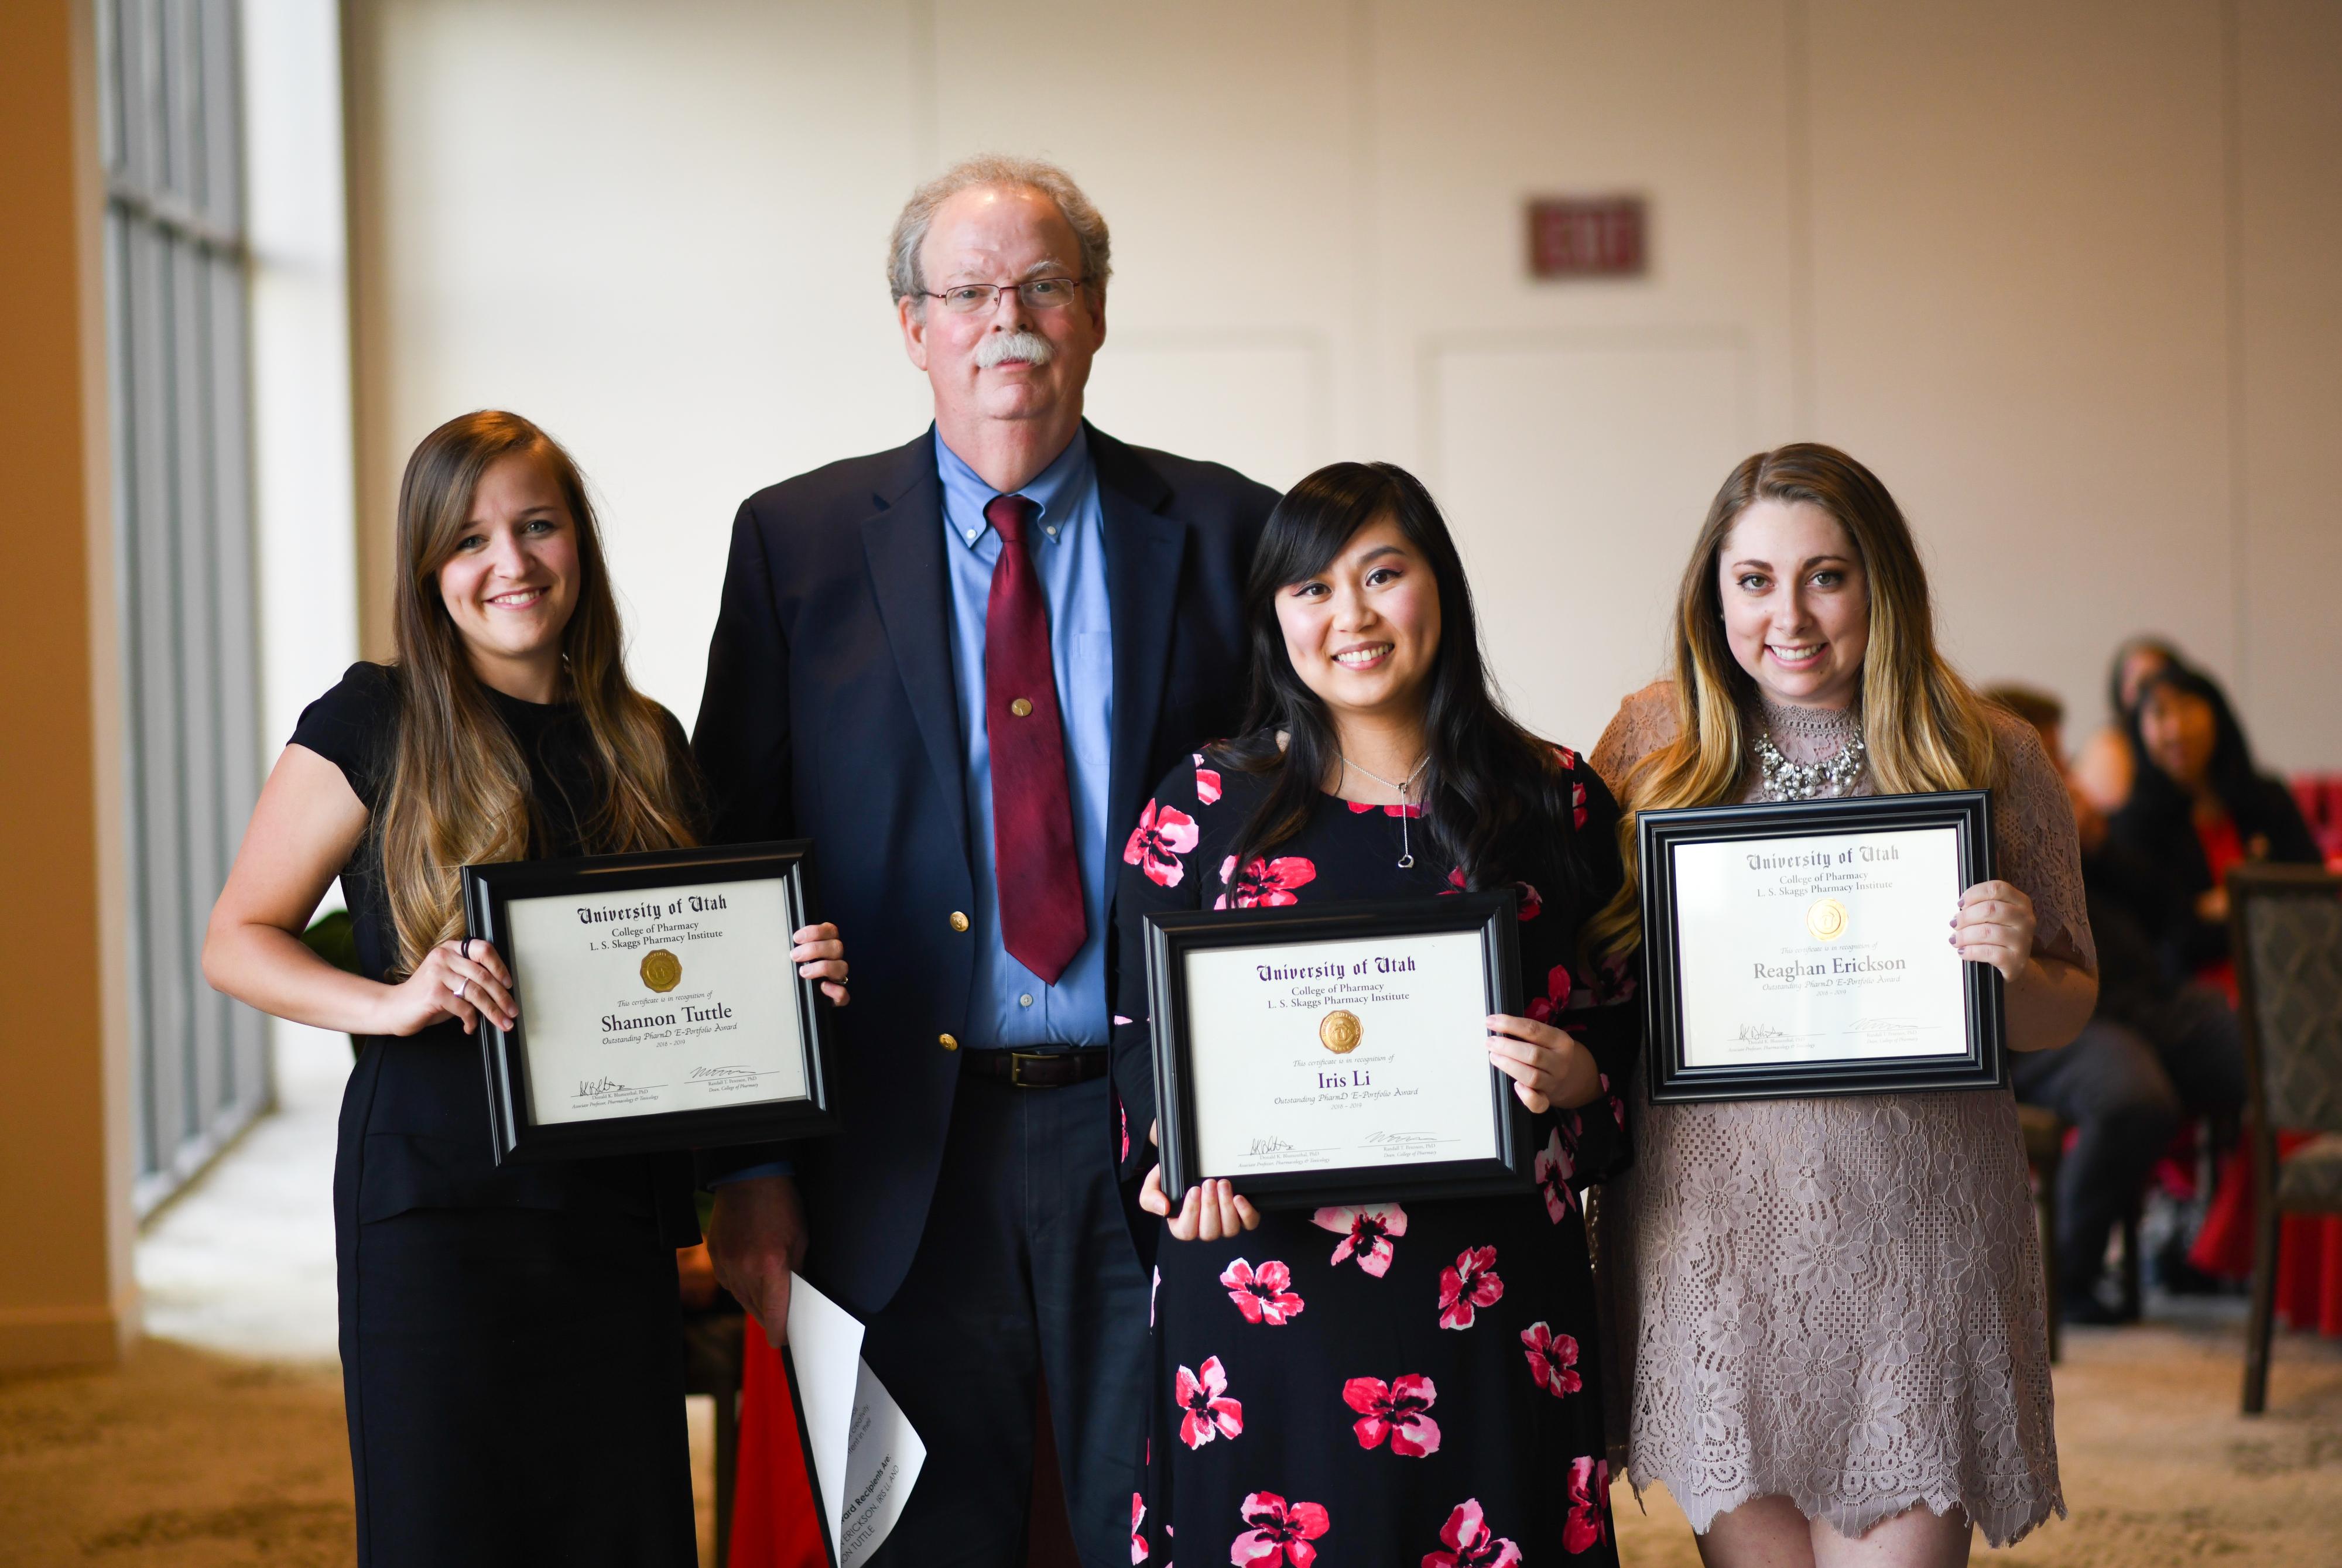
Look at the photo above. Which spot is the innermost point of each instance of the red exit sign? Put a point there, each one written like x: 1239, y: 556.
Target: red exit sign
x: 1572, y: 237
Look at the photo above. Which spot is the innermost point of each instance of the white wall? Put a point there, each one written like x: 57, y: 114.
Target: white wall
x: 304, y: 483
x: 2061, y: 273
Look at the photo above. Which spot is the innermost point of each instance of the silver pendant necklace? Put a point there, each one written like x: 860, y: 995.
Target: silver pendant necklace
x: 1832, y: 777
x: 1406, y: 847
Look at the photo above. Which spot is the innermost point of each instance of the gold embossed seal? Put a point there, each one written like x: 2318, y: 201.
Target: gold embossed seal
x: 662, y: 970
x: 1340, y: 1032
x: 1826, y: 920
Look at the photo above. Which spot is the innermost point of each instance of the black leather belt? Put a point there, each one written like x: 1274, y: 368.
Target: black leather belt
x: 1039, y: 1068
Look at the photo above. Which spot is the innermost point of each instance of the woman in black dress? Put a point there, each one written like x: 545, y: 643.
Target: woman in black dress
x: 1383, y: 1383
x: 511, y: 1360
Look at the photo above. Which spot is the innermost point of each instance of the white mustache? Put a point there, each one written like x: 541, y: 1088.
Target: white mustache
x: 1028, y: 346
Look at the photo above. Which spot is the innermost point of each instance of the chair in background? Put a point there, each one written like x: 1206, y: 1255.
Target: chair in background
x: 2287, y: 929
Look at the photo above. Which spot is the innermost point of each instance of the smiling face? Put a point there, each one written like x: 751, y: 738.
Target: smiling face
x: 1797, y: 602
x: 1363, y: 634
x: 1008, y: 360
x: 2180, y: 733
x: 511, y: 584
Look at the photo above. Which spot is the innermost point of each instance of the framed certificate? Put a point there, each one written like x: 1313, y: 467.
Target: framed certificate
x: 658, y: 1007
x: 1338, y: 1055
x: 1805, y: 948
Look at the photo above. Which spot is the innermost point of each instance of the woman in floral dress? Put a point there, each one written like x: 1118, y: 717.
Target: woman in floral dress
x: 1382, y: 1383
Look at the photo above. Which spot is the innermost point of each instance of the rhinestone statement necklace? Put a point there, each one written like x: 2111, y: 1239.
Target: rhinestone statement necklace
x: 1406, y: 849
x: 1830, y: 777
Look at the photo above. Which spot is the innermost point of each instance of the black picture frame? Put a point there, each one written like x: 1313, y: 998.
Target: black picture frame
x: 1668, y: 1080
x: 1171, y: 937
x: 515, y: 1137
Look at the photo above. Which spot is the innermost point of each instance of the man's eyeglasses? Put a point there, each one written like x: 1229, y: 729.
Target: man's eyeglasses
x: 1037, y: 293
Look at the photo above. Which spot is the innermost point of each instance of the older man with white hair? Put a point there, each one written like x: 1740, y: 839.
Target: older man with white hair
x: 958, y: 667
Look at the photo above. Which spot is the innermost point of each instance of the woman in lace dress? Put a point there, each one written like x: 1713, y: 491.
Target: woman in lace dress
x: 1832, y: 1307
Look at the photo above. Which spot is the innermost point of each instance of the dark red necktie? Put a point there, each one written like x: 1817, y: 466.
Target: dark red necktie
x: 1040, y: 881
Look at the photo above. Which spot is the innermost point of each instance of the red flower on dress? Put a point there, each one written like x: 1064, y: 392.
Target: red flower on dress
x: 1207, y: 782
x: 1122, y: 1115
x: 1361, y: 808
x: 1531, y: 904
x: 1138, y: 1542
x: 1552, y: 1359
x: 1164, y: 833
x: 1556, y: 995
x: 1471, y: 1544
x: 1577, y: 805
x: 1281, y: 1532
x: 1588, y: 1524
x: 1210, y: 1412
x: 1471, y: 1284
x: 1264, y: 883
x: 1394, y: 1409
x: 1554, y: 1168
x: 1264, y: 1294
x: 1566, y: 758
x: 1365, y: 1233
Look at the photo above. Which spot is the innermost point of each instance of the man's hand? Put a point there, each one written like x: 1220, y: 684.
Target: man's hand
x: 755, y: 1239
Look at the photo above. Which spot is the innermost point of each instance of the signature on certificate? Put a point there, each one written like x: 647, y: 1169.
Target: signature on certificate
x: 1270, y: 1146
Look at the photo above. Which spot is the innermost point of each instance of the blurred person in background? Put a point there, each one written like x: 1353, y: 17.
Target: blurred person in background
x: 2103, y: 771
x: 2156, y: 1052
x: 2197, y: 807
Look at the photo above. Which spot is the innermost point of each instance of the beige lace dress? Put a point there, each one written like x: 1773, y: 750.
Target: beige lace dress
x: 1838, y: 1300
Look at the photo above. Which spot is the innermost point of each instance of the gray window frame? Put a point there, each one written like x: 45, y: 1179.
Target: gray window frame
x: 177, y: 296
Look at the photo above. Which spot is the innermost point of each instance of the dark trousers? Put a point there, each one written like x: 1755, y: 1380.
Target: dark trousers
x: 1026, y: 1270
x: 514, y: 1382
x: 2127, y: 1091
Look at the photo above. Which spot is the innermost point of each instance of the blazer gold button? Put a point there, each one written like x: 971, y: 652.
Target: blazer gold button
x: 947, y: 1042
x: 1021, y: 708
x: 958, y: 921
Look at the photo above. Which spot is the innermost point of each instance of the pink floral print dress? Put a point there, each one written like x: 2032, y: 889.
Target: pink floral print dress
x: 1378, y: 1382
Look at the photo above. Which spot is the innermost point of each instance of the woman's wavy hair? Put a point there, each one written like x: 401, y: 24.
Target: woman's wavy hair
x: 1925, y: 728
x: 459, y: 789
x: 1495, y: 802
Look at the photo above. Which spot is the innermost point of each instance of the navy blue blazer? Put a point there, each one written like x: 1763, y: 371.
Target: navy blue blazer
x: 830, y: 714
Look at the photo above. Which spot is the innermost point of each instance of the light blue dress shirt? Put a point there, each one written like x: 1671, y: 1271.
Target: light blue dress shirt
x: 1007, y: 1002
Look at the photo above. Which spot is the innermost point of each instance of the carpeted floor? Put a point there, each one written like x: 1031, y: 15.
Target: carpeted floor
x: 190, y: 1459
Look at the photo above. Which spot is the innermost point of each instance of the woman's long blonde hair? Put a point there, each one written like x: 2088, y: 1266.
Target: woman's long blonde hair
x: 459, y: 790
x: 1924, y: 726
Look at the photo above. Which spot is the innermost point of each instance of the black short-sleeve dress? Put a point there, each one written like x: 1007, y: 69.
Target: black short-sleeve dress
x: 511, y: 1350
x: 1383, y: 1384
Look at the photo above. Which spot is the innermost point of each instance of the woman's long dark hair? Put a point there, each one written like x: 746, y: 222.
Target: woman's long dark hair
x: 1496, y: 801
x: 2231, y: 773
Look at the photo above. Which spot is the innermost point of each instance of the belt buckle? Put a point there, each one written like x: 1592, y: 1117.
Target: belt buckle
x: 1017, y: 1061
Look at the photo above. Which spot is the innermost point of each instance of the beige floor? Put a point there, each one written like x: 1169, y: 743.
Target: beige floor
x: 191, y: 1459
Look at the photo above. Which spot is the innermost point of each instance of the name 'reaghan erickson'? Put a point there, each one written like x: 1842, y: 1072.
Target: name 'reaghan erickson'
x: 1864, y: 966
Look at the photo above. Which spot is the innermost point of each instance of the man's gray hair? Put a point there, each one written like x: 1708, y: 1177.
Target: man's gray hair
x: 908, y: 280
